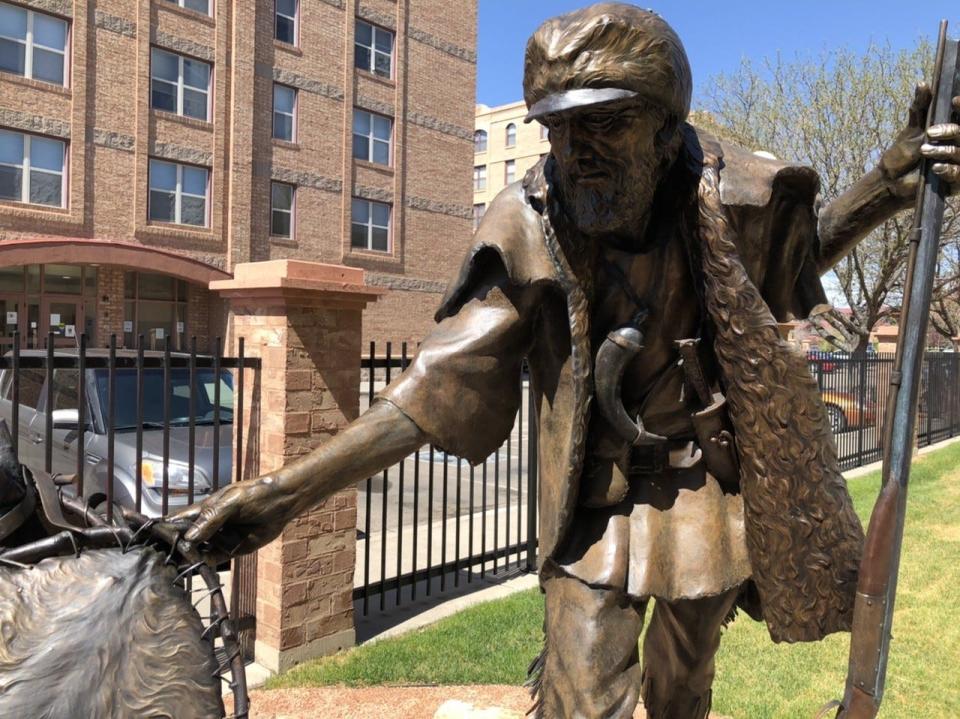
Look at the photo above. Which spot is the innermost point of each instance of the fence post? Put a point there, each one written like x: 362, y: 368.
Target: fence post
x: 303, y: 319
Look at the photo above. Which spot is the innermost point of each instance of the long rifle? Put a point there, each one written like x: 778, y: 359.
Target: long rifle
x: 877, y: 582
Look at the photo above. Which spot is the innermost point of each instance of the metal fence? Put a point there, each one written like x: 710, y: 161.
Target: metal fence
x: 153, y: 431
x: 431, y: 522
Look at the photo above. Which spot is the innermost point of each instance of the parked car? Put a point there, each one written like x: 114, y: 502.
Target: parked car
x: 65, y: 420
x: 846, y: 411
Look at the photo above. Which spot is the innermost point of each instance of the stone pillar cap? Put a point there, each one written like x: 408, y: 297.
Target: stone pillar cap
x: 297, y: 277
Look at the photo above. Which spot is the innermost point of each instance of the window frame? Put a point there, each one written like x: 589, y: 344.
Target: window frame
x: 296, y: 23
x: 181, y: 5
x: 480, y: 139
x: 292, y: 211
x: 292, y: 115
x: 509, y: 171
x: 510, y: 135
x: 544, y: 132
x: 29, y: 46
x: 479, y: 210
x: 372, y: 68
x: 180, y: 85
x: 26, y: 169
x: 370, y: 225
x: 178, y: 194
x: 479, y: 178
x: 371, y: 138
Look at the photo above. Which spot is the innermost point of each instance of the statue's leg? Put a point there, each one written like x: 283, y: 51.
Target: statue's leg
x: 678, y: 655
x: 592, y: 666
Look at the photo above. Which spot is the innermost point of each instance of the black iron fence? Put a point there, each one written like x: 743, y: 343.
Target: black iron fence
x: 153, y: 431
x: 431, y: 522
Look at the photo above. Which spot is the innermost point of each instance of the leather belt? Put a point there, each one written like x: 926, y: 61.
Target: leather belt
x: 656, y: 458
x: 649, y: 459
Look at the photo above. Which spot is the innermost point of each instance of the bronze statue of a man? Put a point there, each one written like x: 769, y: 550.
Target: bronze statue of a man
x: 640, y: 269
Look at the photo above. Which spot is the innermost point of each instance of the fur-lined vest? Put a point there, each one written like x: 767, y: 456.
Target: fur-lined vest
x: 755, y: 258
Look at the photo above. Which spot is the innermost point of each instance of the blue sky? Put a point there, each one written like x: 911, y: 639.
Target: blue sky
x: 716, y: 33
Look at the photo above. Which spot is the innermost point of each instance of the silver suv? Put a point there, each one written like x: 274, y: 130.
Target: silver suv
x: 33, y: 419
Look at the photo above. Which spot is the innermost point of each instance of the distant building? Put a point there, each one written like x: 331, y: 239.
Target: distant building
x: 504, y: 148
x: 147, y: 147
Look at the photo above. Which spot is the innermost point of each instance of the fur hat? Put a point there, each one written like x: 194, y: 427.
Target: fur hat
x: 605, y: 52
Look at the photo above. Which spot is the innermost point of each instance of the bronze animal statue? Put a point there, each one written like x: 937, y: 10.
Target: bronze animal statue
x: 94, y: 621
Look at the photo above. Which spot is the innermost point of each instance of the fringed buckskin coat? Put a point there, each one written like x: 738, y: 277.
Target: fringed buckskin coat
x: 525, y: 290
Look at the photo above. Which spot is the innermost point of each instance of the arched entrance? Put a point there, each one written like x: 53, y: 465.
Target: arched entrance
x: 70, y: 287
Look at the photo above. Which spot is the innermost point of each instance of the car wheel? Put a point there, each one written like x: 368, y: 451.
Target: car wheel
x: 838, y: 421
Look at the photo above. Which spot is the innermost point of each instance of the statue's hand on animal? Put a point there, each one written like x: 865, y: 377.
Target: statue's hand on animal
x: 940, y: 144
x: 247, y: 515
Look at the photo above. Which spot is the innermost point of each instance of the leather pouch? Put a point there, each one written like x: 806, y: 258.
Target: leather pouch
x: 605, y: 481
x: 715, y: 436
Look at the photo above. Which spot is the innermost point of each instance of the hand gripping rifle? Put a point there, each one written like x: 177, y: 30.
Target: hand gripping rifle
x: 877, y: 582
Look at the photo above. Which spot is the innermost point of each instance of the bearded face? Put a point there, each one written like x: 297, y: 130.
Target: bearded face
x: 609, y: 161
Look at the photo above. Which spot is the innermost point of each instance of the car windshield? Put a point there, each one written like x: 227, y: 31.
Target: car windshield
x: 125, y: 403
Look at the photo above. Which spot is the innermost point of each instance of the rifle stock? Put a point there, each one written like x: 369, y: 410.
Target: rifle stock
x: 877, y: 582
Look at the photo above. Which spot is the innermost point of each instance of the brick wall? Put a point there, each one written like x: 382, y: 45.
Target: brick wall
x: 105, y: 116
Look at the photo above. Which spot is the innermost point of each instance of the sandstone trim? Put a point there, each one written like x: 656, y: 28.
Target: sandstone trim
x: 112, y: 23
x: 301, y: 82
x: 169, y: 151
x: 182, y: 45
x: 35, y: 123
x: 113, y: 140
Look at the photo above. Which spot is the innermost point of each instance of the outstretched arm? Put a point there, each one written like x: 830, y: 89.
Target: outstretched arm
x: 891, y: 186
x: 254, y: 512
x: 461, y: 392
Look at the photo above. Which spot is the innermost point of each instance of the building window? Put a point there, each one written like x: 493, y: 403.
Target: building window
x: 370, y: 225
x: 32, y: 44
x: 544, y: 132
x: 285, y: 24
x: 371, y: 137
x: 373, y: 49
x: 198, y: 5
x: 511, y: 135
x: 32, y: 169
x: 178, y: 193
x: 479, y: 178
x: 155, y: 306
x: 281, y: 210
x: 284, y: 112
x: 480, y: 141
x: 478, y: 211
x: 509, y: 171
x: 179, y: 84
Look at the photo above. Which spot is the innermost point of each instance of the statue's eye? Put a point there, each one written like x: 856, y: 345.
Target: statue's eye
x: 602, y: 121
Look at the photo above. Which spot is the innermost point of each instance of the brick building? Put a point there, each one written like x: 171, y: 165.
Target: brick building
x: 504, y: 149
x: 147, y: 147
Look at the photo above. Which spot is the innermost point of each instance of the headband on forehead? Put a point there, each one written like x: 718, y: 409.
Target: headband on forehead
x: 581, y: 97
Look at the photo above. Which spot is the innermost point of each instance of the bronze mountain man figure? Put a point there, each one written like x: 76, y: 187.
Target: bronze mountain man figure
x: 641, y: 268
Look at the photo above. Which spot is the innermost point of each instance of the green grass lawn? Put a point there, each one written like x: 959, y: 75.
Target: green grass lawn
x: 492, y: 643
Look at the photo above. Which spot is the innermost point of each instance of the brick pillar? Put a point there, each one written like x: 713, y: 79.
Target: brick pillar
x: 303, y: 319
x: 110, y: 292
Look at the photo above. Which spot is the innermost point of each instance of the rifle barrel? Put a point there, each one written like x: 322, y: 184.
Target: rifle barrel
x: 877, y: 585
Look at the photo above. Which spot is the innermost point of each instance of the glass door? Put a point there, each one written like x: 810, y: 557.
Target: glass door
x: 60, y: 316
x: 9, y: 321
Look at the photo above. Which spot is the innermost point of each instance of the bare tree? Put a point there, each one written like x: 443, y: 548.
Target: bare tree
x: 837, y: 113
